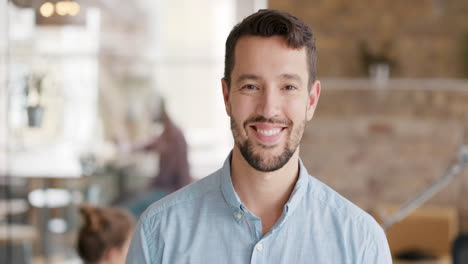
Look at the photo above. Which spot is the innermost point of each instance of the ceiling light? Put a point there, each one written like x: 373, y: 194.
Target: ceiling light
x: 74, y: 9
x: 62, y: 7
x: 47, y: 9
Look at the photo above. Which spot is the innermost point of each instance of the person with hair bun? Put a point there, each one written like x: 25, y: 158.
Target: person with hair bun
x: 105, y: 235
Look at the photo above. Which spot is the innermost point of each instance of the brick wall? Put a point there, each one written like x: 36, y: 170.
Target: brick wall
x: 423, y: 39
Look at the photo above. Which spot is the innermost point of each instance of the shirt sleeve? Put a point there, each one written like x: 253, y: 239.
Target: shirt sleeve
x: 138, y: 250
x: 378, y: 250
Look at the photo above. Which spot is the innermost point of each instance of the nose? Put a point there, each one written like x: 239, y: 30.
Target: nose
x: 269, y: 104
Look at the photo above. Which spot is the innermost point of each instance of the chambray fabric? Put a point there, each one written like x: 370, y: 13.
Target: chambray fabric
x: 206, y: 222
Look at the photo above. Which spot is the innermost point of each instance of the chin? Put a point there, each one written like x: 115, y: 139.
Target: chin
x: 265, y: 160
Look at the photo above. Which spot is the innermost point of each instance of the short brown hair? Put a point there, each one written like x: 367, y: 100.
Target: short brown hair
x: 102, y: 229
x: 267, y: 23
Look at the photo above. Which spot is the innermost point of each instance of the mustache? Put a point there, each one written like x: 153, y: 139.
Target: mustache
x: 262, y: 119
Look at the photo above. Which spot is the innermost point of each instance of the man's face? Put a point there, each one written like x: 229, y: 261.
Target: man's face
x: 269, y: 101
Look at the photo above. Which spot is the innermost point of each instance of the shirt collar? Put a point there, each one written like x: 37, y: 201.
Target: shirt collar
x: 227, y: 188
x: 299, y: 189
x: 236, y: 204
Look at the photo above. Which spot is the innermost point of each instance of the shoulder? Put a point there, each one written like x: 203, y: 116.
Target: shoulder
x: 203, y: 189
x: 169, y: 218
x: 341, y: 209
x: 329, y: 198
x: 357, y: 225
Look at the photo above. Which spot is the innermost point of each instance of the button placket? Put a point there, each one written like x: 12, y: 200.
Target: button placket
x: 239, y: 215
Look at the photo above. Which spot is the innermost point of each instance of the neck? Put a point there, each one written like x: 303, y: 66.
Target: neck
x: 264, y: 193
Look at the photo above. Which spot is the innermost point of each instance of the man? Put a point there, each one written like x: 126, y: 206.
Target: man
x: 262, y: 206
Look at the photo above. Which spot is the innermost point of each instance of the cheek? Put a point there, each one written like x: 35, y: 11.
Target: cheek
x: 242, y: 109
x: 296, y: 110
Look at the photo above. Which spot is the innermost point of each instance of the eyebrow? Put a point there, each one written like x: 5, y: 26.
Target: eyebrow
x: 294, y: 77
x: 286, y: 76
x: 244, y: 77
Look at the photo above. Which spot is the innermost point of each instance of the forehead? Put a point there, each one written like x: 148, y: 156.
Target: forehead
x: 268, y: 57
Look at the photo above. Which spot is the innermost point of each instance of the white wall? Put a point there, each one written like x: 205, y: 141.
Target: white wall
x: 189, y: 64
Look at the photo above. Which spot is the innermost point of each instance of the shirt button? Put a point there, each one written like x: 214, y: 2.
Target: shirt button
x: 259, y: 247
x: 239, y: 216
x: 244, y: 209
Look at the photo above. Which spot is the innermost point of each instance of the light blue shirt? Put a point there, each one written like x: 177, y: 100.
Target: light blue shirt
x: 206, y: 222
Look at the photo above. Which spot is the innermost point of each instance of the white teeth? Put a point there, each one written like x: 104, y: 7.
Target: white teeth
x: 270, y: 132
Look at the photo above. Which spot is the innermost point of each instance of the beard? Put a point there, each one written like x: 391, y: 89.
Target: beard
x: 254, y: 157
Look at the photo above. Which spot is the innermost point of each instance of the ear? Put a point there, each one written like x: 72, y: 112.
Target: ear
x: 226, y: 97
x: 314, y: 95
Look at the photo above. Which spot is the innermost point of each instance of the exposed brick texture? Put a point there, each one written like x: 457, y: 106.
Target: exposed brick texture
x: 424, y: 38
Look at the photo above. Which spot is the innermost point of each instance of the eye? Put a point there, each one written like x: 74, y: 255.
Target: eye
x: 249, y: 87
x: 290, y: 87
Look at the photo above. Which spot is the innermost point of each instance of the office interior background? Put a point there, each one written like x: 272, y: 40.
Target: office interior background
x: 81, y: 80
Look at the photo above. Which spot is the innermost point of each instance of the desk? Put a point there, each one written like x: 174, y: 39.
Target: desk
x: 51, y: 161
x: 16, y: 241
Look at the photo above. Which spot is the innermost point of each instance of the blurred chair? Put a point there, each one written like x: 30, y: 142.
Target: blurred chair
x: 15, y: 239
x: 16, y: 243
x: 426, y: 233
x: 460, y: 249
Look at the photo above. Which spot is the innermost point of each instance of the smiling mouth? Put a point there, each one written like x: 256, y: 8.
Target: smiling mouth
x: 268, y: 130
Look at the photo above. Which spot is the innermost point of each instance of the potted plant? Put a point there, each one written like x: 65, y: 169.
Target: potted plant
x: 377, y: 62
x: 33, y: 90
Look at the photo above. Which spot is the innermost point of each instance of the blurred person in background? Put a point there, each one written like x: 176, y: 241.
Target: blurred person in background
x: 171, y: 146
x: 174, y: 171
x: 105, y: 235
